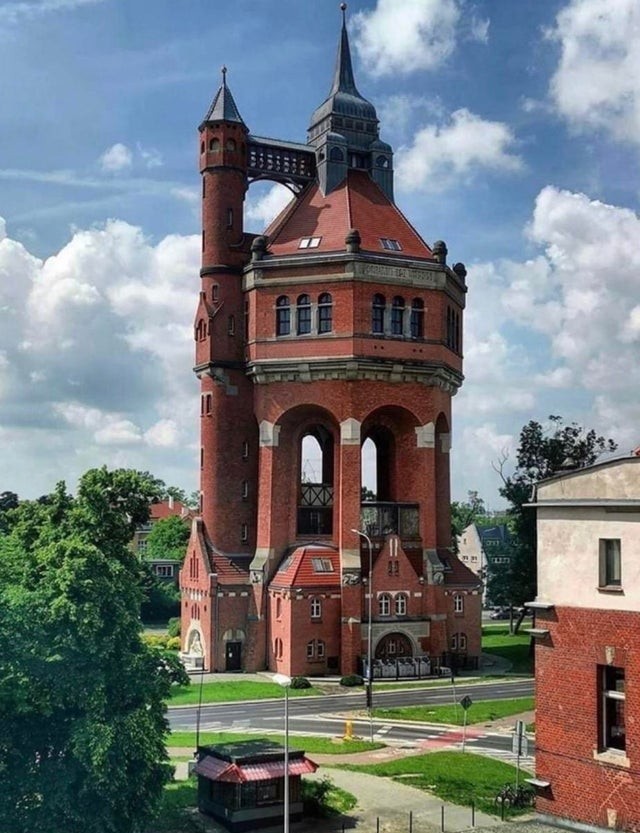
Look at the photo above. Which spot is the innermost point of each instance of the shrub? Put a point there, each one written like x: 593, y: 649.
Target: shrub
x: 173, y: 643
x: 300, y: 682
x: 155, y: 640
x: 173, y: 626
x: 315, y: 795
x: 352, y: 680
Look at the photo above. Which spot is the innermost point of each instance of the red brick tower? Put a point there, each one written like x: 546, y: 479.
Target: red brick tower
x: 339, y: 326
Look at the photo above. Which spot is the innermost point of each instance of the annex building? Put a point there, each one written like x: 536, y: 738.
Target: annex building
x: 587, y: 655
x: 338, y: 328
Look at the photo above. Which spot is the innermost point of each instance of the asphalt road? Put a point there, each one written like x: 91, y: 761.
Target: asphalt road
x: 326, y: 715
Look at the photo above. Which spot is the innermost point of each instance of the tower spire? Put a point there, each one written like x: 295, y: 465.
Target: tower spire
x: 223, y: 107
x: 343, y: 80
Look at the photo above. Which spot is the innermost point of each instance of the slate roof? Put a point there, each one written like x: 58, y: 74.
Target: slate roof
x: 456, y: 573
x: 298, y: 569
x: 223, y: 107
x: 357, y: 203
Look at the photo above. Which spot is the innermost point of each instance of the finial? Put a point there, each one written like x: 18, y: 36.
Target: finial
x: 223, y: 70
x: 343, y: 9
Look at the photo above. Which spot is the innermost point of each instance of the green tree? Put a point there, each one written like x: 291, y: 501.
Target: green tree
x: 464, y: 513
x: 168, y: 538
x: 542, y: 452
x: 82, y: 697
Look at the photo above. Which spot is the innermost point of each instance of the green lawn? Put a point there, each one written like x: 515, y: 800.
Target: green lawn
x: 513, y: 647
x: 479, y: 712
x: 226, y: 692
x: 461, y: 778
x: 318, y: 745
x: 177, y: 812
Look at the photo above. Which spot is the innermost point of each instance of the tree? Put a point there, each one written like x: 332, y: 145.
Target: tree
x: 82, y: 697
x: 464, y: 513
x: 542, y: 452
x: 168, y: 538
x: 8, y: 501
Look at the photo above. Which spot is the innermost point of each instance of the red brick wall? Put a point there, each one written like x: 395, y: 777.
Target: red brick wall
x: 585, y: 789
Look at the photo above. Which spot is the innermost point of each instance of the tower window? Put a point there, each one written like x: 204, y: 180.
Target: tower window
x: 204, y: 186
x: 397, y: 316
x: 336, y: 155
x: 202, y: 458
x: 303, y: 314
x: 245, y: 450
x: 453, y: 329
x: 231, y: 144
x: 244, y: 533
x: 283, y: 316
x: 214, y: 144
x: 377, y: 314
x: 245, y: 489
x: 231, y: 325
x: 458, y: 604
x: 309, y: 242
x: 391, y: 244
x: 229, y: 217
x: 201, y: 147
x: 214, y: 292
x: 382, y: 162
x: 325, y: 313
x: 203, y: 240
x: 417, y: 318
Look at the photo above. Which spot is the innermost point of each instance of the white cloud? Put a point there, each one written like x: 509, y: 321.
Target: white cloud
x: 28, y: 9
x: 597, y: 82
x: 559, y: 377
x: 116, y: 158
x: 421, y: 36
x: 164, y: 434
x: 263, y: 209
x: 151, y: 158
x: 479, y: 29
x: 439, y: 155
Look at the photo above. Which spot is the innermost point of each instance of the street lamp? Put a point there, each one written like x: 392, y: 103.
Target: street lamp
x: 369, y: 634
x: 285, y: 682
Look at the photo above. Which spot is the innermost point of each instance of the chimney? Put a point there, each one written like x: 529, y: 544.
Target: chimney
x: 170, y: 501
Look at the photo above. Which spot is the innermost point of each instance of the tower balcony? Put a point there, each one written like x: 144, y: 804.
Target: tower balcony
x: 380, y: 518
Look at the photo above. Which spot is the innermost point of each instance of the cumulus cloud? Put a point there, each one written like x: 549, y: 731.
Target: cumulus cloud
x: 421, y: 37
x: 260, y: 211
x: 29, y: 9
x: 151, y: 158
x: 116, y: 158
x: 96, y: 346
x: 438, y: 155
x: 597, y: 82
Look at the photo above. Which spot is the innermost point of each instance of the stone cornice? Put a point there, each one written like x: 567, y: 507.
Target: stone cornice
x: 354, y: 370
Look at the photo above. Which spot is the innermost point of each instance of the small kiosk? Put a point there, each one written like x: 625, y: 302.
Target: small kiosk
x: 242, y: 784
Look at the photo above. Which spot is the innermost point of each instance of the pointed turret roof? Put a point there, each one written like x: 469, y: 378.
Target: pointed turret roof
x: 223, y: 107
x: 343, y: 80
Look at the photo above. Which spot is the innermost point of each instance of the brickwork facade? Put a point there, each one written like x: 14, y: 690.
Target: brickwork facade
x: 309, y: 334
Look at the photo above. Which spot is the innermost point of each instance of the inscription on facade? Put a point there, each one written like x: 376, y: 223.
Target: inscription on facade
x: 400, y: 273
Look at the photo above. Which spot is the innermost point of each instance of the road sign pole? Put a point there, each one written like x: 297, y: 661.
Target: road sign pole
x: 464, y: 730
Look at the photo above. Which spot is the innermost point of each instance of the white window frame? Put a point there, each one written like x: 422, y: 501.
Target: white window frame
x: 316, y: 608
x: 384, y: 604
x: 610, y: 563
x: 458, y: 603
x: 400, y: 604
x: 609, y: 695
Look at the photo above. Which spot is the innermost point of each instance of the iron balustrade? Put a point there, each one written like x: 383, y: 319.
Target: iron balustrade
x: 382, y: 518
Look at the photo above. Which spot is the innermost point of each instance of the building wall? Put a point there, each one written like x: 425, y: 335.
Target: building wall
x: 588, y: 785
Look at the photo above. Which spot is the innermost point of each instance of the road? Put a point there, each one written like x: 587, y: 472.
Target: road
x: 326, y: 715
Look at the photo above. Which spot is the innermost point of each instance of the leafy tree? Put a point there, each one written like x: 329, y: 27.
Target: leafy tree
x: 82, y: 697
x: 8, y: 500
x: 542, y: 452
x: 464, y: 513
x: 168, y: 538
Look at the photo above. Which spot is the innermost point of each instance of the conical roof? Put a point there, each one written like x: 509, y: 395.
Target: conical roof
x: 223, y: 107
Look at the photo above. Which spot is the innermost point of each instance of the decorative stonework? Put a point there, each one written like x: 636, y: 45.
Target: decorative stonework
x: 269, y: 434
x: 426, y: 435
x: 350, y: 578
x: 350, y: 432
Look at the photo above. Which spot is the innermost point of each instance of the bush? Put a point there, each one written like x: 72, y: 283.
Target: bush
x: 315, y: 795
x: 173, y: 626
x: 300, y: 682
x: 352, y: 680
x: 173, y: 643
x: 155, y: 640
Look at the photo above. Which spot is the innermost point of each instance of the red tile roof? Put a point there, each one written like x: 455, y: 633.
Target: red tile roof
x: 358, y: 203
x: 218, y: 770
x: 298, y: 568
x: 167, y: 509
x: 457, y: 572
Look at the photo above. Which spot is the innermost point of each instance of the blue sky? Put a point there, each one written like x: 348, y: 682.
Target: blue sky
x: 516, y: 130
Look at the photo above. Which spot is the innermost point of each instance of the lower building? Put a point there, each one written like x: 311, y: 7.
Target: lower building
x: 587, y: 632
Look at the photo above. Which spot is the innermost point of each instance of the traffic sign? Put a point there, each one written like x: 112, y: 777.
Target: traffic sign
x: 466, y: 702
x: 519, y: 744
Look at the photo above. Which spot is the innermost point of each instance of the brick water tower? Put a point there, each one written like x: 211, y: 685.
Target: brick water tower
x: 335, y: 337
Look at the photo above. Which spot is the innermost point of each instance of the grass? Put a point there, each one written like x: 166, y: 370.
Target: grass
x: 177, y: 809
x: 312, y: 745
x: 479, y: 712
x: 513, y: 647
x: 339, y: 801
x: 461, y: 778
x: 228, y: 692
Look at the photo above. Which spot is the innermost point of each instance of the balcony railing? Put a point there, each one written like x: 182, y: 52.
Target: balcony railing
x: 315, y: 511
x: 383, y: 518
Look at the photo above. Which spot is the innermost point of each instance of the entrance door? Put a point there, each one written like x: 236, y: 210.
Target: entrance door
x: 234, y: 656
x: 394, y: 646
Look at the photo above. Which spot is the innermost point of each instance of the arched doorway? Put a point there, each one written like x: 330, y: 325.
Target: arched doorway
x: 394, y: 646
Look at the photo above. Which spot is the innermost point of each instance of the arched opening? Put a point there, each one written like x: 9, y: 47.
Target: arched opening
x: 379, y: 452
x: 392, y: 646
x: 315, y: 502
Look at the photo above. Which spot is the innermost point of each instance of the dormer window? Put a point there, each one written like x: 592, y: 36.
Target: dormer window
x: 391, y: 244
x: 309, y: 242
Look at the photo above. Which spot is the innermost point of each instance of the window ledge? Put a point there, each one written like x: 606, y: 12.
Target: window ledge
x: 538, y: 783
x: 540, y: 605
x: 538, y: 633
x: 612, y: 756
x: 610, y: 588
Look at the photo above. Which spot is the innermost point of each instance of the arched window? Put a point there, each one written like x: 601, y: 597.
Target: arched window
x: 325, y: 313
x: 417, y: 318
x: 377, y: 314
x: 401, y: 604
x: 397, y: 316
x: 245, y: 489
x: 459, y: 642
x: 336, y: 155
x: 278, y: 607
x: 283, y: 316
x: 231, y: 144
x: 311, y: 649
x: 320, y: 649
x: 384, y: 604
x: 231, y: 325
x: 458, y: 603
x: 382, y: 162
x: 303, y: 315
x: 315, y: 482
x: 214, y: 144
x: 316, y: 608
x: 201, y: 147
x: 278, y: 648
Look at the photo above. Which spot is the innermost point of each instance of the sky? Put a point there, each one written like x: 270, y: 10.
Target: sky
x: 516, y: 131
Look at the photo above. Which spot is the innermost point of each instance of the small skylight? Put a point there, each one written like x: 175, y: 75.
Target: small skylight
x: 391, y: 244
x: 322, y: 565
x: 309, y: 242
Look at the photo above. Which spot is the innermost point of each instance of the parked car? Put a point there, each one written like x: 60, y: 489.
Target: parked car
x: 501, y: 613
